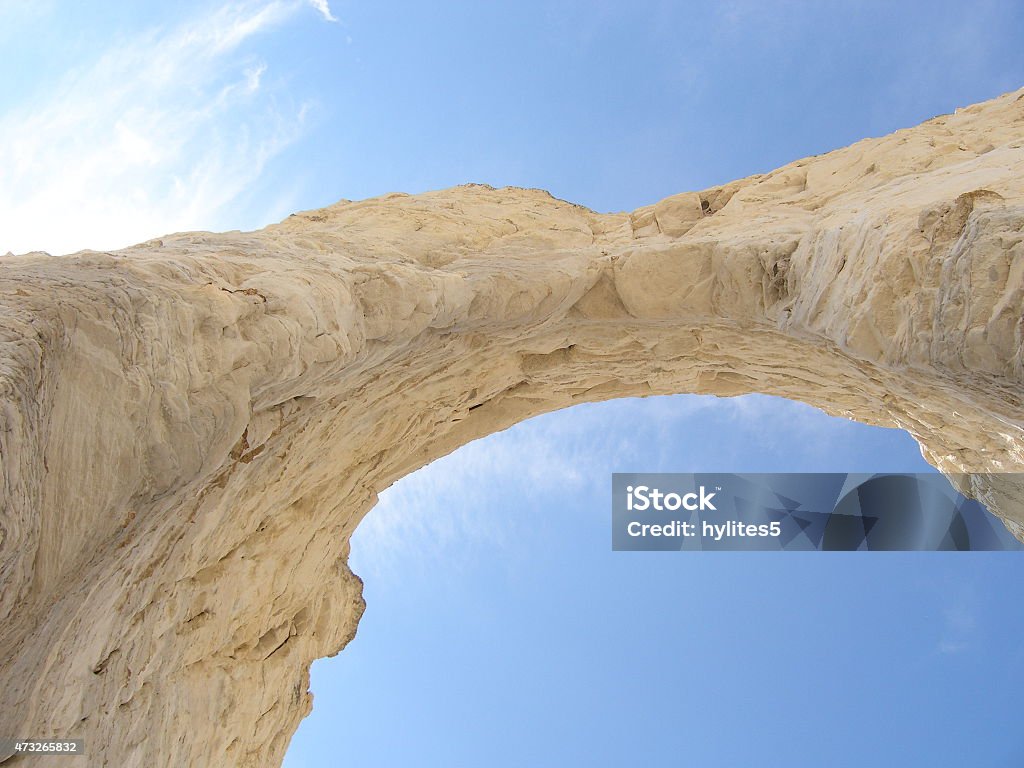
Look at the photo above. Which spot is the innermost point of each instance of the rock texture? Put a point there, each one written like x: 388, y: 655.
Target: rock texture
x: 192, y: 428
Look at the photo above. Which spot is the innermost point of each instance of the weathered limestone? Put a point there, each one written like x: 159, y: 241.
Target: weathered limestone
x: 190, y: 429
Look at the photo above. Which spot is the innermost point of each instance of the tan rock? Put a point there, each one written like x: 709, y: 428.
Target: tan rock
x: 190, y: 429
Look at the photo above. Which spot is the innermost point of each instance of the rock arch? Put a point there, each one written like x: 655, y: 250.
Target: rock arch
x: 192, y: 428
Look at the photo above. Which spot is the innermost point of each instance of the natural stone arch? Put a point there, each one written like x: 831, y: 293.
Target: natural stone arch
x: 193, y: 427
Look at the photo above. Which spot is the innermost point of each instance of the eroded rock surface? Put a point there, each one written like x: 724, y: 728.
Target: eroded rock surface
x: 192, y: 428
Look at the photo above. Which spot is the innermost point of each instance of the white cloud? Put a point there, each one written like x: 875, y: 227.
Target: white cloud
x: 959, y: 622
x: 162, y: 132
x: 17, y: 12
x: 465, y: 496
x: 324, y: 8
x: 949, y: 647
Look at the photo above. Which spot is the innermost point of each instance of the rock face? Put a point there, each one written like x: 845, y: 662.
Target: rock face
x: 192, y: 428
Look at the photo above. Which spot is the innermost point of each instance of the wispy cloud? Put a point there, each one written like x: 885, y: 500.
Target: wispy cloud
x: 958, y: 626
x: 959, y: 621
x: 324, y: 9
x: 162, y: 132
x: 469, y: 497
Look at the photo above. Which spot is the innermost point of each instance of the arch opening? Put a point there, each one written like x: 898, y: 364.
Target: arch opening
x: 501, y: 626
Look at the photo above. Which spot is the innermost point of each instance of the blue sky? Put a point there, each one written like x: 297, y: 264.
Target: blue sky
x: 501, y: 630
x: 121, y: 121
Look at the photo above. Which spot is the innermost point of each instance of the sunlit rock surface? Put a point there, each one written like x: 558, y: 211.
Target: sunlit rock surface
x: 192, y: 428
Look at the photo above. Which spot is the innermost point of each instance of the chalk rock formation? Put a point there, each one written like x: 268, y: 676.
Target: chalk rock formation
x: 191, y: 428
